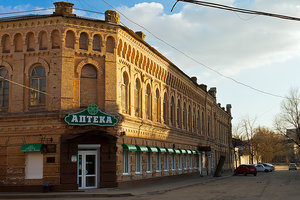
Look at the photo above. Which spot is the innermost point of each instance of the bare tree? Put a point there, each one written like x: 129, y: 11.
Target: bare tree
x: 289, y: 117
x: 248, y: 129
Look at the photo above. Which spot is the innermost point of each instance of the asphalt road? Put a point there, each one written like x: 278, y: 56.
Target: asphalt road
x: 279, y: 185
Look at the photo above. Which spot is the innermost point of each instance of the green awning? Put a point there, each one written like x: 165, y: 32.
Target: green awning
x: 129, y: 147
x: 153, y: 149
x: 142, y: 148
x: 170, y: 150
x: 177, y: 151
x: 198, y: 152
x: 31, y: 147
x: 162, y: 149
x: 183, y: 151
x: 194, y: 152
x: 189, y: 151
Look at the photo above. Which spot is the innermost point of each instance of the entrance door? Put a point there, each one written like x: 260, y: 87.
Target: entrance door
x: 87, y: 169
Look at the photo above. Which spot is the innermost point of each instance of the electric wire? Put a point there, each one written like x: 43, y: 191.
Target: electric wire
x: 163, y: 41
x: 26, y: 11
x: 196, y: 61
x: 241, y: 10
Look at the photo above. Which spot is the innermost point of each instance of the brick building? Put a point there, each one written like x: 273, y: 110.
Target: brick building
x: 87, y: 103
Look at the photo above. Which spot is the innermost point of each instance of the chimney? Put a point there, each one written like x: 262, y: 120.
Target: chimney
x: 194, y: 79
x: 141, y: 35
x: 213, y: 92
x: 112, y: 17
x: 203, y: 87
x: 228, y: 109
x: 63, y: 9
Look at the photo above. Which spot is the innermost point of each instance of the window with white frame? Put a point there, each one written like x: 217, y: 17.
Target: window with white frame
x: 158, y: 161
x: 179, y: 162
x: 185, y: 161
x: 173, y: 162
x: 126, y: 162
x: 203, y: 160
x: 195, y: 161
x: 191, y: 161
x: 166, y: 161
x: 138, y: 162
x: 149, y: 162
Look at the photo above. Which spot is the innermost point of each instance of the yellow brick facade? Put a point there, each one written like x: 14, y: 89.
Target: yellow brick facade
x: 98, y: 62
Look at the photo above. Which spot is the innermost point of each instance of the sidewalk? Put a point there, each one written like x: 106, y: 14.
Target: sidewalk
x: 157, y: 188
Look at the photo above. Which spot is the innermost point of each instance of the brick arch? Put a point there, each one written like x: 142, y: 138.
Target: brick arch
x: 7, y: 66
x: 92, y: 62
x: 120, y: 46
x: 126, y: 69
x: 38, y: 60
x: 132, y: 55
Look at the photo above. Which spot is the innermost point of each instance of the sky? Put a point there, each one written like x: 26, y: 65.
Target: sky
x: 259, y: 51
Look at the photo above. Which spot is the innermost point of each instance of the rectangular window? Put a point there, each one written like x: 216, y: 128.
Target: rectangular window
x: 158, y: 161
x: 191, y: 161
x: 185, y: 161
x: 173, y: 162
x: 34, y: 165
x: 138, y: 162
x: 166, y: 161
x: 149, y: 162
x: 203, y: 160
x: 195, y: 161
x: 179, y: 162
x: 126, y: 162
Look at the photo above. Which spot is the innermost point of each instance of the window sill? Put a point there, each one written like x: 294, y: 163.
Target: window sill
x: 126, y: 174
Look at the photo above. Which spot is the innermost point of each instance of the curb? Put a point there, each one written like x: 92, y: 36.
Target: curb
x: 94, y: 195
x: 75, y: 195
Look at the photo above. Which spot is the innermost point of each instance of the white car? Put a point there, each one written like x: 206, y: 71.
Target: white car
x: 261, y: 168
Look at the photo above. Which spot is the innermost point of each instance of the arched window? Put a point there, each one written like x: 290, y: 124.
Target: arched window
x: 97, y: 43
x: 203, y: 123
x: 55, y: 39
x: 194, y: 120
x: 4, y: 88
x: 30, y: 43
x: 88, y: 85
x: 165, y: 108
x: 38, y: 83
x: 83, y: 41
x: 110, y: 44
x: 172, y: 107
x: 189, y: 119
x: 157, y: 105
x: 208, y: 125
x: 43, y: 41
x: 70, y: 39
x: 5, y: 44
x: 18, y: 43
x: 137, y: 98
x: 125, y: 93
x: 148, y: 102
x: 179, y: 114
x: 184, y: 116
x: 198, y: 121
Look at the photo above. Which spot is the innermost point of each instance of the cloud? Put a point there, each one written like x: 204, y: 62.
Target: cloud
x: 227, y: 41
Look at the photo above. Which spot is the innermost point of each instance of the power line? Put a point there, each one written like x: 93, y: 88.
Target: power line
x: 240, y: 10
x: 26, y: 11
x: 196, y: 61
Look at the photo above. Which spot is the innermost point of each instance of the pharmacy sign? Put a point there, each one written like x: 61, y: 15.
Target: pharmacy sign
x: 91, y: 116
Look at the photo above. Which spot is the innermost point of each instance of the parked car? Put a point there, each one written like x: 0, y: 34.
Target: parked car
x: 292, y: 166
x: 261, y: 168
x: 268, y: 166
x: 245, y: 169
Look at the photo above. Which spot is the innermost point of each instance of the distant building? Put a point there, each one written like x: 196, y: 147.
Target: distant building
x: 87, y: 103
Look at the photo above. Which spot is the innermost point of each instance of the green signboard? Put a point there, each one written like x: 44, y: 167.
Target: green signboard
x: 91, y: 116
